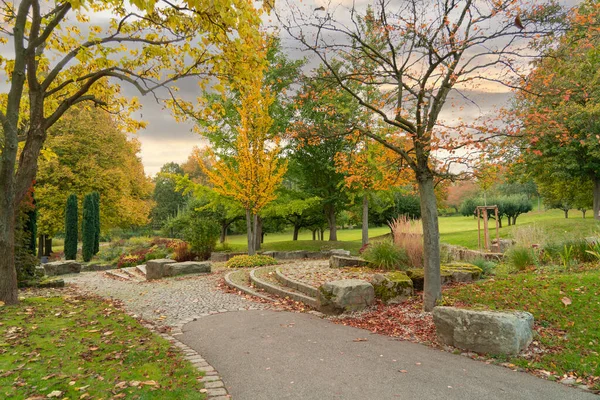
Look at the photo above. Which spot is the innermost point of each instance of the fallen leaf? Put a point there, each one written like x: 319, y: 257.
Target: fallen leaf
x: 360, y: 340
x: 108, y: 333
x: 566, y: 301
x: 150, y: 383
x: 54, y: 393
x: 403, y: 371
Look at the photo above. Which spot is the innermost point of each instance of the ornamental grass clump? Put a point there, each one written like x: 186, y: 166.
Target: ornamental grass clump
x: 385, y: 255
x: 408, y: 235
x: 257, y: 260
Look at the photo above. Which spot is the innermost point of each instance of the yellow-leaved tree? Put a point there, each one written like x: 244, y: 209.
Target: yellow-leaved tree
x: 255, y: 170
x: 62, y: 57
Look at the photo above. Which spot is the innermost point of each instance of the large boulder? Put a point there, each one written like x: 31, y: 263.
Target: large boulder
x: 462, y: 272
x: 184, y: 268
x: 490, y: 332
x: 345, y: 295
x: 417, y: 275
x: 346, y: 261
x: 393, y: 287
x: 155, y: 268
x: 62, y: 267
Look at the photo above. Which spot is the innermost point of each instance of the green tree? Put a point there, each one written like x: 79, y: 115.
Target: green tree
x: 71, y: 227
x: 168, y: 200
x: 88, y: 228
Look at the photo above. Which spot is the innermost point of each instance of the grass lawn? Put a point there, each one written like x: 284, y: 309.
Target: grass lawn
x: 86, y: 348
x: 569, y: 333
x: 458, y: 230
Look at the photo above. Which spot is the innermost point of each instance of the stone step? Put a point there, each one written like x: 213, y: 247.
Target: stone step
x: 134, y: 273
x: 301, y: 287
x: 142, y: 269
x: 116, y: 273
x: 240, y: 280
x: 275, y: 288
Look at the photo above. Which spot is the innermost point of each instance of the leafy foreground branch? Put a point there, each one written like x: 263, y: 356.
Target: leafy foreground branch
x: 78, y: 348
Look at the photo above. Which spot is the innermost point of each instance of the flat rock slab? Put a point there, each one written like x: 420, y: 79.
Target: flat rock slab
x: 393, y: 287
x: 345, y: 295
x: 186, y: 267
x: 266, y: 355
x: 337, y: 261
x: 223, y: 257
x: 490, y: 332
x: 155, y: 268
x: 62, y: 268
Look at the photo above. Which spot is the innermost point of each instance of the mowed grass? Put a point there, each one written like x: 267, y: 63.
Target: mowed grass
x: 86, y: 348
x: 570, y: 333
x: 458, y: 230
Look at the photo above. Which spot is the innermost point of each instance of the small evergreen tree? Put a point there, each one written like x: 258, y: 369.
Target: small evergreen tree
x: 88, y: 227
x: 96, y: 197
x: 71, y: 228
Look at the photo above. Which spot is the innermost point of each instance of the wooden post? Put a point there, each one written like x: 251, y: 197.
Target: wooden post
x: 486, y: 236
x: 479, y: 227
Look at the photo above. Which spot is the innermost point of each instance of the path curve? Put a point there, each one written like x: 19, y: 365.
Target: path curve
x: 279, y: 355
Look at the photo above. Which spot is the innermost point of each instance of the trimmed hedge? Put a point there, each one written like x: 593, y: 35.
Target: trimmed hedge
x: 257, y: 260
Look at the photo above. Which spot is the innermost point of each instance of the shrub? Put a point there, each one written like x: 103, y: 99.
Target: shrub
x: 182, y: 252
x: 257, y: 260
x: 408, y: 235
x: 88, y: 228
x: 529, y: 235
x: 521, y: 257
x: 568, y: 251
x: 487, y: 267
x: 71, y: 228
x: 155, y: 252
x: 384, y: 254
x: 202, y: 235
x: 110, y: 253
x: 130, y: 260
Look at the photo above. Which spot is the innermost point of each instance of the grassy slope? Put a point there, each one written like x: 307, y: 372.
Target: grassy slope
x: 87, y: 346
x: 572, y: 330
x: 454, y: 230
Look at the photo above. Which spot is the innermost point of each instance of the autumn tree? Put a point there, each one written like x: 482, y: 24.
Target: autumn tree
x: 424, y: 52
x: 369, y: 167
x: 71, y: 228
x: 254, y: 171
x: 86, y: 151
x: 55, y: 65
x: 556, y: 137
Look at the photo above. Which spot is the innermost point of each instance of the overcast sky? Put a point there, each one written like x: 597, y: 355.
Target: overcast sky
x: 165, y: 140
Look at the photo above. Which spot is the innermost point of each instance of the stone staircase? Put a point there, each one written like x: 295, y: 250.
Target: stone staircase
x: 132, y: 274
x: 270, y: 283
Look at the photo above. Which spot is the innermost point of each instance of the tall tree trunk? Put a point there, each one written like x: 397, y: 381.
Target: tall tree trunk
x: 314, y: 234
x: 297, y: 230
x: 40, y: 252
x: 257, y: 232
x: 597, y: 197
x: 224, y: 227
x: 321, y: 234
x: 332, y: 224
x: 432, y: 291
x: 250, y: 233
x: 583, y: 212
x: 47, y: 246
x: 365, y: 220
x: 566, y: 213
x: 8, y: 273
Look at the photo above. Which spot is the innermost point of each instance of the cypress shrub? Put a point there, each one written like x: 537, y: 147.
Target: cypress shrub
x: 96, y: 197
x: 71, y: 228
x: 88, y: 227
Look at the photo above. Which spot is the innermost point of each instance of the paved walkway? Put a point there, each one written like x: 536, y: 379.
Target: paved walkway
x: 278, y: 355
x: 167, y: 301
